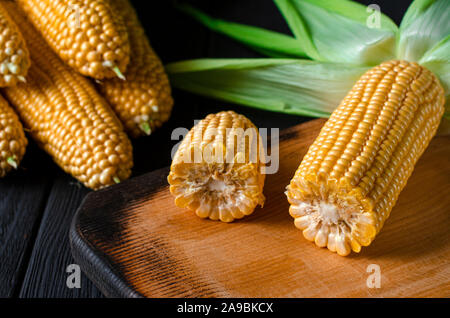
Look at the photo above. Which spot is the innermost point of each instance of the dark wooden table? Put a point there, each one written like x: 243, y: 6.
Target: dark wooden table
x: 37, y: 202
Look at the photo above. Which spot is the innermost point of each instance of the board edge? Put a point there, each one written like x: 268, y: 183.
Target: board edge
x: 90, y: 262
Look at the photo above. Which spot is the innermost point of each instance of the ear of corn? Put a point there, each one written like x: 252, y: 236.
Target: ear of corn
x: 143, y: 102
x: 351, y: 177
x: 217, y: 171
x: 12, y: 139
x: 87, y: 34
x: 68, y: 118
x: 14, y: 56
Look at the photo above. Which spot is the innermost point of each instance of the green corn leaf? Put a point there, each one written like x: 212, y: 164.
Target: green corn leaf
x: 414, y: 10
x: 200, y: 65
x: 298, y: 28
x: 290, y: 86
x: 437, y: 60
x: 440, y: 52
x: 354, y: 11
x: 426, y: 23
x: 270, y: 43
x: 341, y: 32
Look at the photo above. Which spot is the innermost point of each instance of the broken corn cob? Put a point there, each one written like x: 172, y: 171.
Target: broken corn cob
x: 143, y: 102
x: 87, y: 34
x: 68, y: 118
x: 14, y: 56
x: 352, y: 175
x: 12, y: 139
x: 217, y: 171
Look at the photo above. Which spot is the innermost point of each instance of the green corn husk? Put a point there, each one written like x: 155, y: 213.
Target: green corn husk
x: 426, y: 23
x: 336, y: 36
x: 332, y: 29
x: 282, y: 85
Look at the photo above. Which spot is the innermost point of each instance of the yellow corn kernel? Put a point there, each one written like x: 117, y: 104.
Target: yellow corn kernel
x: 67, y: 117
x: 12, y: 139
x: 217, y: 172
x: 87, y: 34
x: 14, y: 56
x: 352, y: 175
x: 143, y: 102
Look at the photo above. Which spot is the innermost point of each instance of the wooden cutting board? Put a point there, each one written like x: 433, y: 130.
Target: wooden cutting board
x: 132, y: 241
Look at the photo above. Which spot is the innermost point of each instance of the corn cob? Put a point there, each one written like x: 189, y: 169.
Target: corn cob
x: 352, y: 175
x: 12, y: 139
x: 217, y: 171
x: 14, y: 56
x: 143, y: 102
x: 87, y: 34
x: 68, y: 118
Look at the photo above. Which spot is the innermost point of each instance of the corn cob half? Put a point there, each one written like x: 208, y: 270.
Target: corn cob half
x: 143, y: 102
x: 13, y: 142
x: 87, y: 34
x: 67, y: 117
x: 14, y: 56
x: 217, y: 171
x: 352, y: 175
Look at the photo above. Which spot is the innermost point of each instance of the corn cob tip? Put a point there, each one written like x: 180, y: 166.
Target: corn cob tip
x: 145, y: 96
x: 119, y: 73
x: 12, y: 162
x: 115, y: 69
x: 145, y: 127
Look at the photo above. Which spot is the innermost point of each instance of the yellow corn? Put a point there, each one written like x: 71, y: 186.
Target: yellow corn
x: 87, y: 34
x: 352, y: 175
x: 217, y: 171
x: 14, y: 56
x: 68, y: 118
x: 143, y: 102
x: 12, y: 139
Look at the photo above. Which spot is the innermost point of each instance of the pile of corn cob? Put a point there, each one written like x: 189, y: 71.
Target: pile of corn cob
x: 80, y: 75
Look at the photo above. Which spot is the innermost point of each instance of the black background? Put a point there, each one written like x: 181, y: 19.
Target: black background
x: 38, y: 201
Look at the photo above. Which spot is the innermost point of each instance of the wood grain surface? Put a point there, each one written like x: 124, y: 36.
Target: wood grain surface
x: 133, y: 241
x: 23, y: 196
x: 51, y: 246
